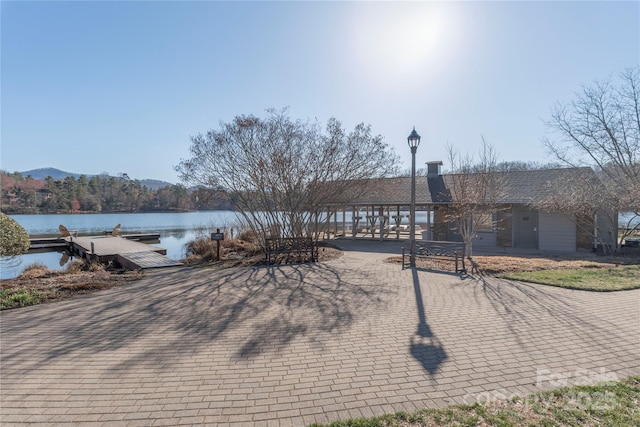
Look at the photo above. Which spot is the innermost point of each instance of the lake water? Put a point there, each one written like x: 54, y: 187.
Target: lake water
x: 176, y: 229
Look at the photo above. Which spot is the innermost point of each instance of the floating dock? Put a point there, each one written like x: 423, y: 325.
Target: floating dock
x: 131, y: 254
x: 46, y: 244
x: 128, y: 250
x: 39, y: 244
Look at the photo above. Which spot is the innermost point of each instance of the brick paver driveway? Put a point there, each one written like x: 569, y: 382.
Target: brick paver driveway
x: 293, y: 345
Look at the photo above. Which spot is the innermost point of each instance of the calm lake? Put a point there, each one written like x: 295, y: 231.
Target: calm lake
x: 175, y: 229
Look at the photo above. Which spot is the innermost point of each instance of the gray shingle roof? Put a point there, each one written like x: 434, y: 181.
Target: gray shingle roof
x: 519, y: 187
x: 534, y: 185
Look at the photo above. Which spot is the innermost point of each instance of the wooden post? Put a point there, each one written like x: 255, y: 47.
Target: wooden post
x: 398, y: 220
x: 218, y: 246
x: 381, y: 220
x: 354, y: 223
x: 429, y: 233
x: 217, y: 236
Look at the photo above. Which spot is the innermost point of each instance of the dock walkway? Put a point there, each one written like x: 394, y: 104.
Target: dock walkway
x: 131, y: 254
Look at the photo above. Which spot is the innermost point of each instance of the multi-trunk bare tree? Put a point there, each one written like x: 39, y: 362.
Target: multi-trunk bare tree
x: 600, y: 128
x: 282, y: 172
x: 476, y: 186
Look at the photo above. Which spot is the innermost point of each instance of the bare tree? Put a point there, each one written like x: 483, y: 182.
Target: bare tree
x: 588, y: 201
x: 282, y: 172
x: 600, y: 128
x: 517, y: 165
x: 476, y: 186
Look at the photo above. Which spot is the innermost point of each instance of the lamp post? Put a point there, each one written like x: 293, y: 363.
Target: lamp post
x: 413, y: 140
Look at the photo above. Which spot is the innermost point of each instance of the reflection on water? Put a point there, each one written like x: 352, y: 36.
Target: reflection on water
x: 175, y: 229
x: 178, y: 234
x: 174, y: 242
x: 49, y: 259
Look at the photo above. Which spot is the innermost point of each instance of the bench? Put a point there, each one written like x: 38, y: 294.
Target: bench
x: 302, y: 247
x: 443, y: 251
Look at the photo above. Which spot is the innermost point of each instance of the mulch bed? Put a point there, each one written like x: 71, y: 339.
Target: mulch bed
x: 497, y: 264
x: 57, y: 285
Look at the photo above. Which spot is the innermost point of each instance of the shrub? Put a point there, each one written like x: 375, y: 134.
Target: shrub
x: 11, y: 298
x: 35, y: 270
x: 14, y: 239
x: 248, y: 235
x: 75, y: 266
x: 94, y: 266
x: 202, y: 247
x: 205, y: 249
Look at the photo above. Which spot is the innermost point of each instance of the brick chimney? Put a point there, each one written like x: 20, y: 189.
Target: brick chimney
x: 434, y: 169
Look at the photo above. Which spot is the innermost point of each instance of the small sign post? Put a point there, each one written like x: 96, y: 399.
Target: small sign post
x: 217, y: 236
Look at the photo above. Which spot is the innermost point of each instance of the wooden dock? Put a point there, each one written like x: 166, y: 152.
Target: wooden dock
x: 130, y: 254
x: 42, y: 244
x: 46, y: 244
x: 144, y: 260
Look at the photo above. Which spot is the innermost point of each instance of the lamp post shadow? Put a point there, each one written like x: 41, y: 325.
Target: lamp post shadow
x: 425, y: 346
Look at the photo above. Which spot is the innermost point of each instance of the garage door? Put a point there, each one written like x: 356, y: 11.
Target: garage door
x: 557, y: 232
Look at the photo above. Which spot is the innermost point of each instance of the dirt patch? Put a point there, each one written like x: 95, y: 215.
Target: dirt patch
x: 51, y: 286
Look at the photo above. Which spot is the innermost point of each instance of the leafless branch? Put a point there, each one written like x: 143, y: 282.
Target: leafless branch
x: 282, y: 172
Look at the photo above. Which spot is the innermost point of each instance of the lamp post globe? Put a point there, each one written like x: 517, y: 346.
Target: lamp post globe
x: 413, y: 140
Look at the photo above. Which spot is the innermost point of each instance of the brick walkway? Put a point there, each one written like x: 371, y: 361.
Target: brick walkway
x: 294, y: 345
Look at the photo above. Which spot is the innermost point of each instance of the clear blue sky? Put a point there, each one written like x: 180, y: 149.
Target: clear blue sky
x: 115, y: 87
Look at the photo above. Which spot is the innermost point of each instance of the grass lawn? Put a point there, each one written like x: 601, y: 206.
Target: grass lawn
x: 605, y: 404
x: 591, y: 278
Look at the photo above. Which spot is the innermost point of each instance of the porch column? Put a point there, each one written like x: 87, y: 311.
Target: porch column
x: 381, y: 221
x: 355, y: 220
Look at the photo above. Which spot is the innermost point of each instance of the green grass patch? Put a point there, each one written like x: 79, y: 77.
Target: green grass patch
x: 20, y: 297
x: 604, y: 404
x: 618, y: 278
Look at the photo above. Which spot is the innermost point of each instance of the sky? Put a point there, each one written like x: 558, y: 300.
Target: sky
x: 121, y: 86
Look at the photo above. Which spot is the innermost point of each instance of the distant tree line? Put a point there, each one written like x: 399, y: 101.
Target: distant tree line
x: 101, y: 193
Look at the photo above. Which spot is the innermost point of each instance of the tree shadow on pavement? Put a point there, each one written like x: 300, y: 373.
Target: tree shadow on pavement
x: 172, y: 314
x: 527, y: 308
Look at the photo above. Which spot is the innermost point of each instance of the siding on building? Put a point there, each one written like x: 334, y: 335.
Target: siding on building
x: 439, y: 223
x: 556, y: 232
x: 486, y: 239
x: 505, y: 227
x: 584, y: 239
x: 606, y: 234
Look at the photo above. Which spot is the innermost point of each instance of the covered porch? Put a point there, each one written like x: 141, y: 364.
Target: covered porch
x: 375, y: 222
x: 379, y: 210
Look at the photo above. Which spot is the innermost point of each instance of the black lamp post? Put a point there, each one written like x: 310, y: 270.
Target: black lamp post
x: 413, y: 140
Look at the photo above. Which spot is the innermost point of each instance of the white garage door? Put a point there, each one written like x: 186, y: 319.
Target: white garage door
x: 556, y: 232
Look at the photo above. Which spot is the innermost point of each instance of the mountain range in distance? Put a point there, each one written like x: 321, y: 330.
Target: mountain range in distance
x: 42, y: 173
